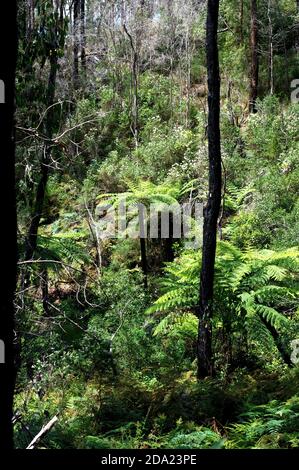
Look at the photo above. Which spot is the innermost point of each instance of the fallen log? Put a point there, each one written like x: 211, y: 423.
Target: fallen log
x: 44, y: 430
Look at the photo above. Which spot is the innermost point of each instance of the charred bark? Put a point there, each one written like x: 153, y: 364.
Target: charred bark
x: 212, y: 209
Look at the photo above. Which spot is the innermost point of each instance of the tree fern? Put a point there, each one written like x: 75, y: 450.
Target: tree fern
x: 58, y: 248
x: 253, y: 288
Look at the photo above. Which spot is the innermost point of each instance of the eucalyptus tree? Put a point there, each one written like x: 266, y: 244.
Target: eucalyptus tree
x: 254, y: 66
x: 205, y: 308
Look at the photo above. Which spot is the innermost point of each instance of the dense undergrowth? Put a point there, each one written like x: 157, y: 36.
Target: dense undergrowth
x: 113, y: 359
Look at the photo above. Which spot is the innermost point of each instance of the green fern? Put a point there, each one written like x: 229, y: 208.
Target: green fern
x: 58, y: 248
x: 255, y: 288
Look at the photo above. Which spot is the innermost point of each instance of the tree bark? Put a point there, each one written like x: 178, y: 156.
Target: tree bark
x: 43, y: 432
x: 241, y: 21
x: 271, y: 70
x: 44, y: 284
x: 143, y: 236
x: 76, y: 42
x: 8, y: 45
x: 254, y: 70
x: 212, y: 209
x: 83, y: 39
x: 30, y: 21
x: 144, y: 261
x: 31, y: 242
x: 135, y: 59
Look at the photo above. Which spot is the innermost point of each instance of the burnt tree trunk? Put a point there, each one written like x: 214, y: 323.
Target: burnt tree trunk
x: 212, y: 209
x: 254, y: 68
x: 8, y: 45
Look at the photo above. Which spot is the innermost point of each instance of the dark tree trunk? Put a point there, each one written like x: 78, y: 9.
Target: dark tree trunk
x: 143, y: 260
x: 76, y: 41
x: 254, y: 70
x: 242, y: 21
x: 83, y: 39
x: 8, y: 45
x: 31, y: 241
x: 44, y: 284
x: 143, y: 236
x: 285, y: 355
x: 271, y: 58
x: 204, y: 309
x: 168, y: 242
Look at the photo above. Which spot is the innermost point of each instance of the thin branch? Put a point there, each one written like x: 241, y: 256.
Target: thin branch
x: 61, y: 263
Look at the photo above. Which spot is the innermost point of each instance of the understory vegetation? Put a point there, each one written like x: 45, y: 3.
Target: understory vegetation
x: 107, y: 327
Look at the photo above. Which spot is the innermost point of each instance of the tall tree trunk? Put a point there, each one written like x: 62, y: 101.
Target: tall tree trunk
x: 212, y: 209
x: 143, y: 237
x: 241, y: 21
x: 144, y: 261
x: 254, y: 70
x: 271, y: 71
x: 31, y: 241
x: 83, y: 39
x: 8, y: 45
x: 76, y: 42
x: 30, y: 20
x: 135, y: 67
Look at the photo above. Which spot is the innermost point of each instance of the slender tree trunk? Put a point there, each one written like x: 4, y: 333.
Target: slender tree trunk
x: 241, y: 21
x: 76, y: 42
x: 254, y: 71
x: 30, y: 20
x: 31, y: 241
x: 83, y: 39
x: 8, y: 45
x: 135, y: 118
x: 287, y: 76
x: 144, y: 260
x: 44, y: 284
x: 271, y: 71
x: 285, y: 355
x: 204, y: 309
x: 143, y: 237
